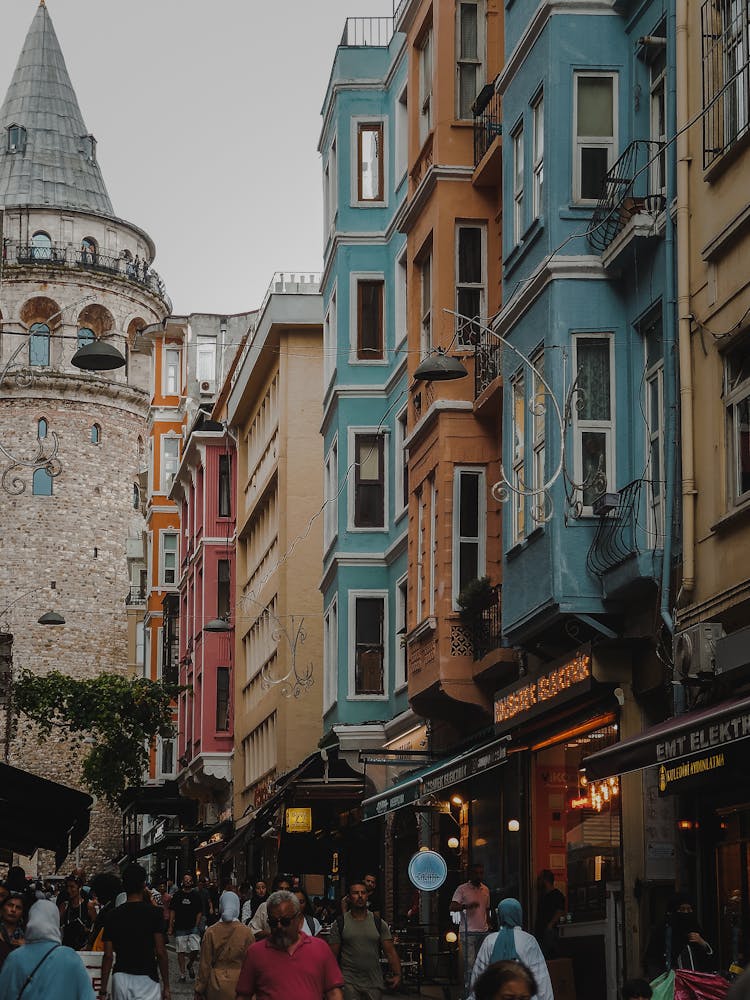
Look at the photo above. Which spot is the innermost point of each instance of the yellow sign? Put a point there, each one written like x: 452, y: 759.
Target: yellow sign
x: 299, y: 820
x: 689, y: 769
x: 533, y: 693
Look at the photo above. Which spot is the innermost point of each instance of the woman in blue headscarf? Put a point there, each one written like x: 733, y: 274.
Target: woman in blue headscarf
x: 511, y: 943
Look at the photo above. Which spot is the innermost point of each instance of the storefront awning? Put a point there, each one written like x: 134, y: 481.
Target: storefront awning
x: 436, y: 777
x: 682, y: 738
x: 36, y: 812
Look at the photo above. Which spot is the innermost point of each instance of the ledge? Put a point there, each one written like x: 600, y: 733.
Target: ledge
x: 732, y: 517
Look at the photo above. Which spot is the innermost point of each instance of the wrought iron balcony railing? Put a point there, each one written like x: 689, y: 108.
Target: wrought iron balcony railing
x: 136, y: 595
x: 487, y: 361
x: 616, y: 538
x: 487, y: 633
x: 487, y: 122
x: 367, y: 32
x: 634, y: 184
x: 90, y: 260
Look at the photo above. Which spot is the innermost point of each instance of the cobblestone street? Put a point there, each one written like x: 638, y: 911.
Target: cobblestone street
x: 180, y: 991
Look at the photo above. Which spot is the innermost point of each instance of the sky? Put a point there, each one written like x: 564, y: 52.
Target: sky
x: 207, y: 119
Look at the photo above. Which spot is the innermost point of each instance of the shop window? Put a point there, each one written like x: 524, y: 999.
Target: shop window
x: 222, y: 699
x: 369, y: 645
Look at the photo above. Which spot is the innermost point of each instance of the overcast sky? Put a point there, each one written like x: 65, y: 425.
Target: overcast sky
x: 207, y: 117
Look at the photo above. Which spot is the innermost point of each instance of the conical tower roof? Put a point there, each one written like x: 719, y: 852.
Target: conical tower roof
x: 54, y: 162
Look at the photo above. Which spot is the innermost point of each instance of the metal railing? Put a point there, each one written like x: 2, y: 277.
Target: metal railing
x: 725, y: 68
x: 634, y: 184
x: 136, y: 595
x: 615, y: 539
x: 487, y: 361
x: 487, y: 633
x: 487, y: 126
x: 364, y: 32
x: 398, y: 9
x: 90, y: 260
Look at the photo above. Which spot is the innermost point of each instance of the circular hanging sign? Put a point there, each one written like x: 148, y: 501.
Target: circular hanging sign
x: 427, y: 870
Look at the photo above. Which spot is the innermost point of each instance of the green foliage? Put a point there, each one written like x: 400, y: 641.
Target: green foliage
x: 114, y: 719
x: 476, y: 597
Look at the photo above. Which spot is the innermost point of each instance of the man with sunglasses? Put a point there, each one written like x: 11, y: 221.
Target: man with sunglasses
x: 289, y: 963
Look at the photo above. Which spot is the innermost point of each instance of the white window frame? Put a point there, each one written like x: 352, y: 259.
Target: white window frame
x: 432, y: 580
x: 174, y: 533
x: 205, y: 350
x: 355, y: 122
x: 607, y: 427
x: 331, y: 495
x: 481, y: 540
x: 330, y: 654
x: 401, y: 458
x: 518, y: 184
x: 400, y: 676
x: 425, y: 300
x: 538, y: 428
x: 330, y: 189
x: 425, y: 47
x: 537, y: 156
x: 159, y: 652
x: 352, y: 621
x: 355, y: 277
x: 165, y: 482
x: 160, y: 741
x: 658, y: 135
x: 518, y: 455
x: 147, y: 654
x: 478, y: 60
x: 420, y: 551
x: 352, y: 435
x: 401, y: 149
x: 593, y: 142
x: 172, y: 371
x: 655, y: 442
x: 734, y: 395
x: 330, y: 339
x: 464, y: 332
x: 399, y: 298
x: 140, y: 647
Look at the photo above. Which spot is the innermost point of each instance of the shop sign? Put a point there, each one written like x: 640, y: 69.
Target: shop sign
x: 427, y: 870
x: 693, y: 741
x: 263, y: 791
x: 452, y: 775
x: 689, y: 769
x: 528, y: 698
x: 299, y: 819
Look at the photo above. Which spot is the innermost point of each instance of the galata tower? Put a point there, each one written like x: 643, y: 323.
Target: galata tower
x: 71, y: 440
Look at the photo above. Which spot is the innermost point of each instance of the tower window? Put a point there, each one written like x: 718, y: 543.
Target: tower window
x: 89, y: 147
x: 41, y: 429
x: 85, y: 336
x: 41, y: 246
x: 16, y: 138
x: 96, y: 434
x: 41, y: 483
x: 39, y: 345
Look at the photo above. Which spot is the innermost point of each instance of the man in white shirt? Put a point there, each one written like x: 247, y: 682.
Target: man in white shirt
x: 472, y: 901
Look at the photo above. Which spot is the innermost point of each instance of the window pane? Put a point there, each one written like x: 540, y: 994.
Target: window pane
x: 469, y: 568
x: 369, y: 459
x: 467, y: 88
x: 370, y: 162
x: 469, y: 302
x: 593, y: 382
x: 469, y: 32
x: 595, y: 106
x: 594, y: 459
x: 39, y: 345
x: 222, y: 699
x: 369, y: 646
x: 470, y: 254
x: 469, y: 503
x: 370, y: 319
x: 593, y: 171
x: 742, y: 437
x: 41, y: 483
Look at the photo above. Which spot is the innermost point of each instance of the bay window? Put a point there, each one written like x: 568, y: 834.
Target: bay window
x: 369, y: 481
x: 369, y: 653
x: 595, y: 117
x: 469, y: 527
x: 594, y: 417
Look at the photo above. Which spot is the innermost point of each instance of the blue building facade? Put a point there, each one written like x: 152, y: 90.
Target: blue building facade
x: 364, y: 155
x: 589, y: 450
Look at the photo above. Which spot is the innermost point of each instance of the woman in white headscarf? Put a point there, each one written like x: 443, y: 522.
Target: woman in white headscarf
x: 53, y: 971
x: 222, y: 952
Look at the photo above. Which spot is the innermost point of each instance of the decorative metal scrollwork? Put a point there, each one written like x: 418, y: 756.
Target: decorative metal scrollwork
x: 296, y: 680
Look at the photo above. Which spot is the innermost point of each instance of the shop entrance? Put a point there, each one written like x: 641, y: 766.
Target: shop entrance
x: 733, y: 881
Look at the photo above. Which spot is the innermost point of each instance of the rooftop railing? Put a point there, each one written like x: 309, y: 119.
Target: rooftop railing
x: 90, y: 260
x: 633, y: 185
x: 367, y: 32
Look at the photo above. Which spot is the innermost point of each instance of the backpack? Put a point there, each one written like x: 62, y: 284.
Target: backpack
x: 340, y: 925
x: 310, y: 921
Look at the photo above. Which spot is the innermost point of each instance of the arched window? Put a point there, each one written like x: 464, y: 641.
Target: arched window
x: 41, y: 429
x: 85, y: 336
x: 41, y: 246
x: 41, y: 483
x: 88, y: 250
x: 39, y: 345
x: 136, y: 497
x: 96, y: 434
x: 16, y: 138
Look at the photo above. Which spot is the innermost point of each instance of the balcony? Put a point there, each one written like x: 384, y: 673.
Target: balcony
x: 487, y: 633
x: 487, y: 121
x: 624, y: 552
x: 136, y: 596
x: 487, y: 362
x: 632, y: 203
x: 88, y: 260
x: 367, y: 32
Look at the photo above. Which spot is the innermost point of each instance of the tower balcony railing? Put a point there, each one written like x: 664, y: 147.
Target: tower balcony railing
x: 488, y: 124
x: 616, y: 538
x: 89, y: 260
x: 487, y: 361
x: 367, y: 32
x: 633, y: 185
x: 487, y: 632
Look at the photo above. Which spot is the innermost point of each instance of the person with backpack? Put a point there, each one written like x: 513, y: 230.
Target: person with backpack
x: 77, y: 914
x: 356, y: 940
x: 512, y: 944
x: 222, y: 951
x: 310, y: 923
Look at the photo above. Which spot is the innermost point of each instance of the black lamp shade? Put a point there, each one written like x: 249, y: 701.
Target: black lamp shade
x: 217, y: 625
x: 439, y: 367
x: 51, y: 618
x: 98, y: 356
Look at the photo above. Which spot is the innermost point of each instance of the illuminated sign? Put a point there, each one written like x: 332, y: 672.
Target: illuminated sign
x: 719, y: 734
x: 689, y: 769
x: 531, y: 696
x: 299, y: 820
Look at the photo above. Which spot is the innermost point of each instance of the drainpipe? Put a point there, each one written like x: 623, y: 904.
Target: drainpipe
x: 683, y: 312
x: 669, y: 325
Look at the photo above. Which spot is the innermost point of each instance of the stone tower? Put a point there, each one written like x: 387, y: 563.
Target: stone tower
x: 71, y: 442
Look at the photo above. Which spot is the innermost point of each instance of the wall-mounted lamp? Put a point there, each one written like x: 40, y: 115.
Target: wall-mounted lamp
x: 451, y: 937
x: 513, y: 826
x: 457, y: 800
x: 453, y: 843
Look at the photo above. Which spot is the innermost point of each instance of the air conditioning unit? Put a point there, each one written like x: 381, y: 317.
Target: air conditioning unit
x: 208, y: 388
x: 695, y: 649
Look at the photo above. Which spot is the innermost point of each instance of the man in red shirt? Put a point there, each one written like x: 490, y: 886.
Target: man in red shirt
x: 289, y: 964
